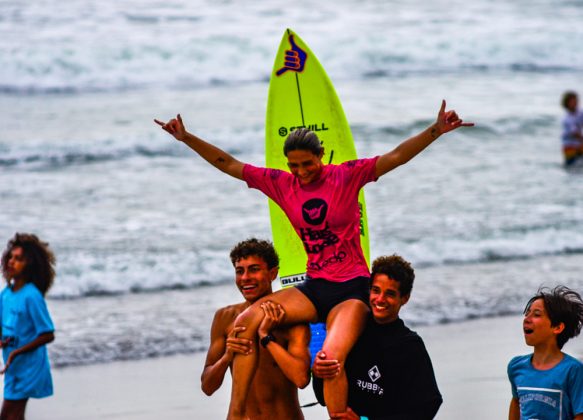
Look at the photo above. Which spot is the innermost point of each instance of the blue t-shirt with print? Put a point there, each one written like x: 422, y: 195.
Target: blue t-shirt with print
x: 553, y: 394
x: 24, y: 316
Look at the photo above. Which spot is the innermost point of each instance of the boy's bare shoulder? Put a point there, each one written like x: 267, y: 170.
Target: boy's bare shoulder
x: 230, y: 312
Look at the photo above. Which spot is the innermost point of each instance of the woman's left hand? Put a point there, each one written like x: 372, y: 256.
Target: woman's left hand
x: 449, y: 120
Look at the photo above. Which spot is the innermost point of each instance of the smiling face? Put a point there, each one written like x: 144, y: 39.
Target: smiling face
x: 385, y: 299
x: 253, y: 277
x: 16, y: 264
x: 537, y: 326
x: 305, y: 165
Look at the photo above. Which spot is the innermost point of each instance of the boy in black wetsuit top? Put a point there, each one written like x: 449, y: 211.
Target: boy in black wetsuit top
x: 389, y: 372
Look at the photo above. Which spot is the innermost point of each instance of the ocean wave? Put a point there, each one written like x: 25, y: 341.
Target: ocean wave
x: 467, y: 69
x: 102, y: 291
x: 50, y: 48
x: 58, y: 159
x: 55, y: 159
x: 532, y: 242
x: 132, y: 280
x: 125, y: 81
x: 144, y: 326
x: 484, y: 128
x: 55, y: 156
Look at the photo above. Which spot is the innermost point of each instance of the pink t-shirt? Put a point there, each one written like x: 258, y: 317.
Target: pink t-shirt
x: 325, y: 214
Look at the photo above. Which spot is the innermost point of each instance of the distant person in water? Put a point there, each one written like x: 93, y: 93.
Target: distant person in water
x: 390, y: 375
x: 284, y: 358
x: 572, y: 137
x: 28, y: 265
x: 321, y: 202
x: 548, y: 384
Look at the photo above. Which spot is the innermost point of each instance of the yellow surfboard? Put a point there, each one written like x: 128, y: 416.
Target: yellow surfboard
x: 302, y: 95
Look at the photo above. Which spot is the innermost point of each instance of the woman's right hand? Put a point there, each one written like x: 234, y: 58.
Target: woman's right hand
x: 175, y: 127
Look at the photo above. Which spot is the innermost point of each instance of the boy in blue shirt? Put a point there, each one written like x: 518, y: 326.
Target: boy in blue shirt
x: 548, y: 384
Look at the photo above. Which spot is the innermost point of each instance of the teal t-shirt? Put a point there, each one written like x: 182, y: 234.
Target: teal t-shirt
x: 24, y: 316
x: 555, y: 394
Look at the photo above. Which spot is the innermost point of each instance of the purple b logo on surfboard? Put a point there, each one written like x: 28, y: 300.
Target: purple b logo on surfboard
x: 295, y: 58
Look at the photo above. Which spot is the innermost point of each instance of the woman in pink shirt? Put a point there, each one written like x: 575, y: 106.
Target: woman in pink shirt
x: 321, y: 202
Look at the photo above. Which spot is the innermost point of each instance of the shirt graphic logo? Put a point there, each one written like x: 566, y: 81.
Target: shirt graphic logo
x: 541, y: 400
x: 315, y: 240
x: 374, y: 374
x: 314, y: 211
x: 295, y: 58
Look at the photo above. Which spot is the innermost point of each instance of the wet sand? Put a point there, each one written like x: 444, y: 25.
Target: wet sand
x: 469, y: 359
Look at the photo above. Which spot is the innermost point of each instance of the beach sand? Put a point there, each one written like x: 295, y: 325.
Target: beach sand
x: 469, y: 359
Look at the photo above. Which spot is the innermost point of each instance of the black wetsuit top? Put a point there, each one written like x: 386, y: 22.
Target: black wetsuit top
x: 390, y: 375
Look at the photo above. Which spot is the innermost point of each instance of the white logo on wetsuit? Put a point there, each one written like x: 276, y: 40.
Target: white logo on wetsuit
x: 374, y: 373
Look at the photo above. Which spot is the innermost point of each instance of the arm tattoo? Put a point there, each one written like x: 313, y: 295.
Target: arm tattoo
x: 433, y: 133
x: 220, y: 159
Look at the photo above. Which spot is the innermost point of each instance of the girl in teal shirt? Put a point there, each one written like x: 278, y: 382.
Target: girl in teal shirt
x: 28, y: 267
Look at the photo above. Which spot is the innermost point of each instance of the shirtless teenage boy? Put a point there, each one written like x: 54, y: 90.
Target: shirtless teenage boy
x: 284, y: 358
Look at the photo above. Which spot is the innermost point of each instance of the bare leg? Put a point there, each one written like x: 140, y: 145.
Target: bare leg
x: 13, y: 409
x: 344, y: 325
x: 298, y: 308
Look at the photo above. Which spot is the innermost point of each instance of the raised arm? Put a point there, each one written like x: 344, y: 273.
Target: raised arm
x: 294, y: 361
x: 404, y: 152
x: 221, y: 352
x: 212, y: 154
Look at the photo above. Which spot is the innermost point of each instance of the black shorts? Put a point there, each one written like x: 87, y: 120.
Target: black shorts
x: 325, y: 294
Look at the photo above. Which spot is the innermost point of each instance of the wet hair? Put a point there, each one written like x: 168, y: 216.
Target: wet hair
x: 255, y: 247
x: 567, y: 96
x: 562, y: 305
x: 302, y: 139
x: 40, y: 260
x: 395, y: 268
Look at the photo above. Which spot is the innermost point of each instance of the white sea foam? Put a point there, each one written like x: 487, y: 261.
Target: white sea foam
x: 47, y: 47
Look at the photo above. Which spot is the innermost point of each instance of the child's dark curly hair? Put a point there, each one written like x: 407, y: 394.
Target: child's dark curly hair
x: 40, y: 260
